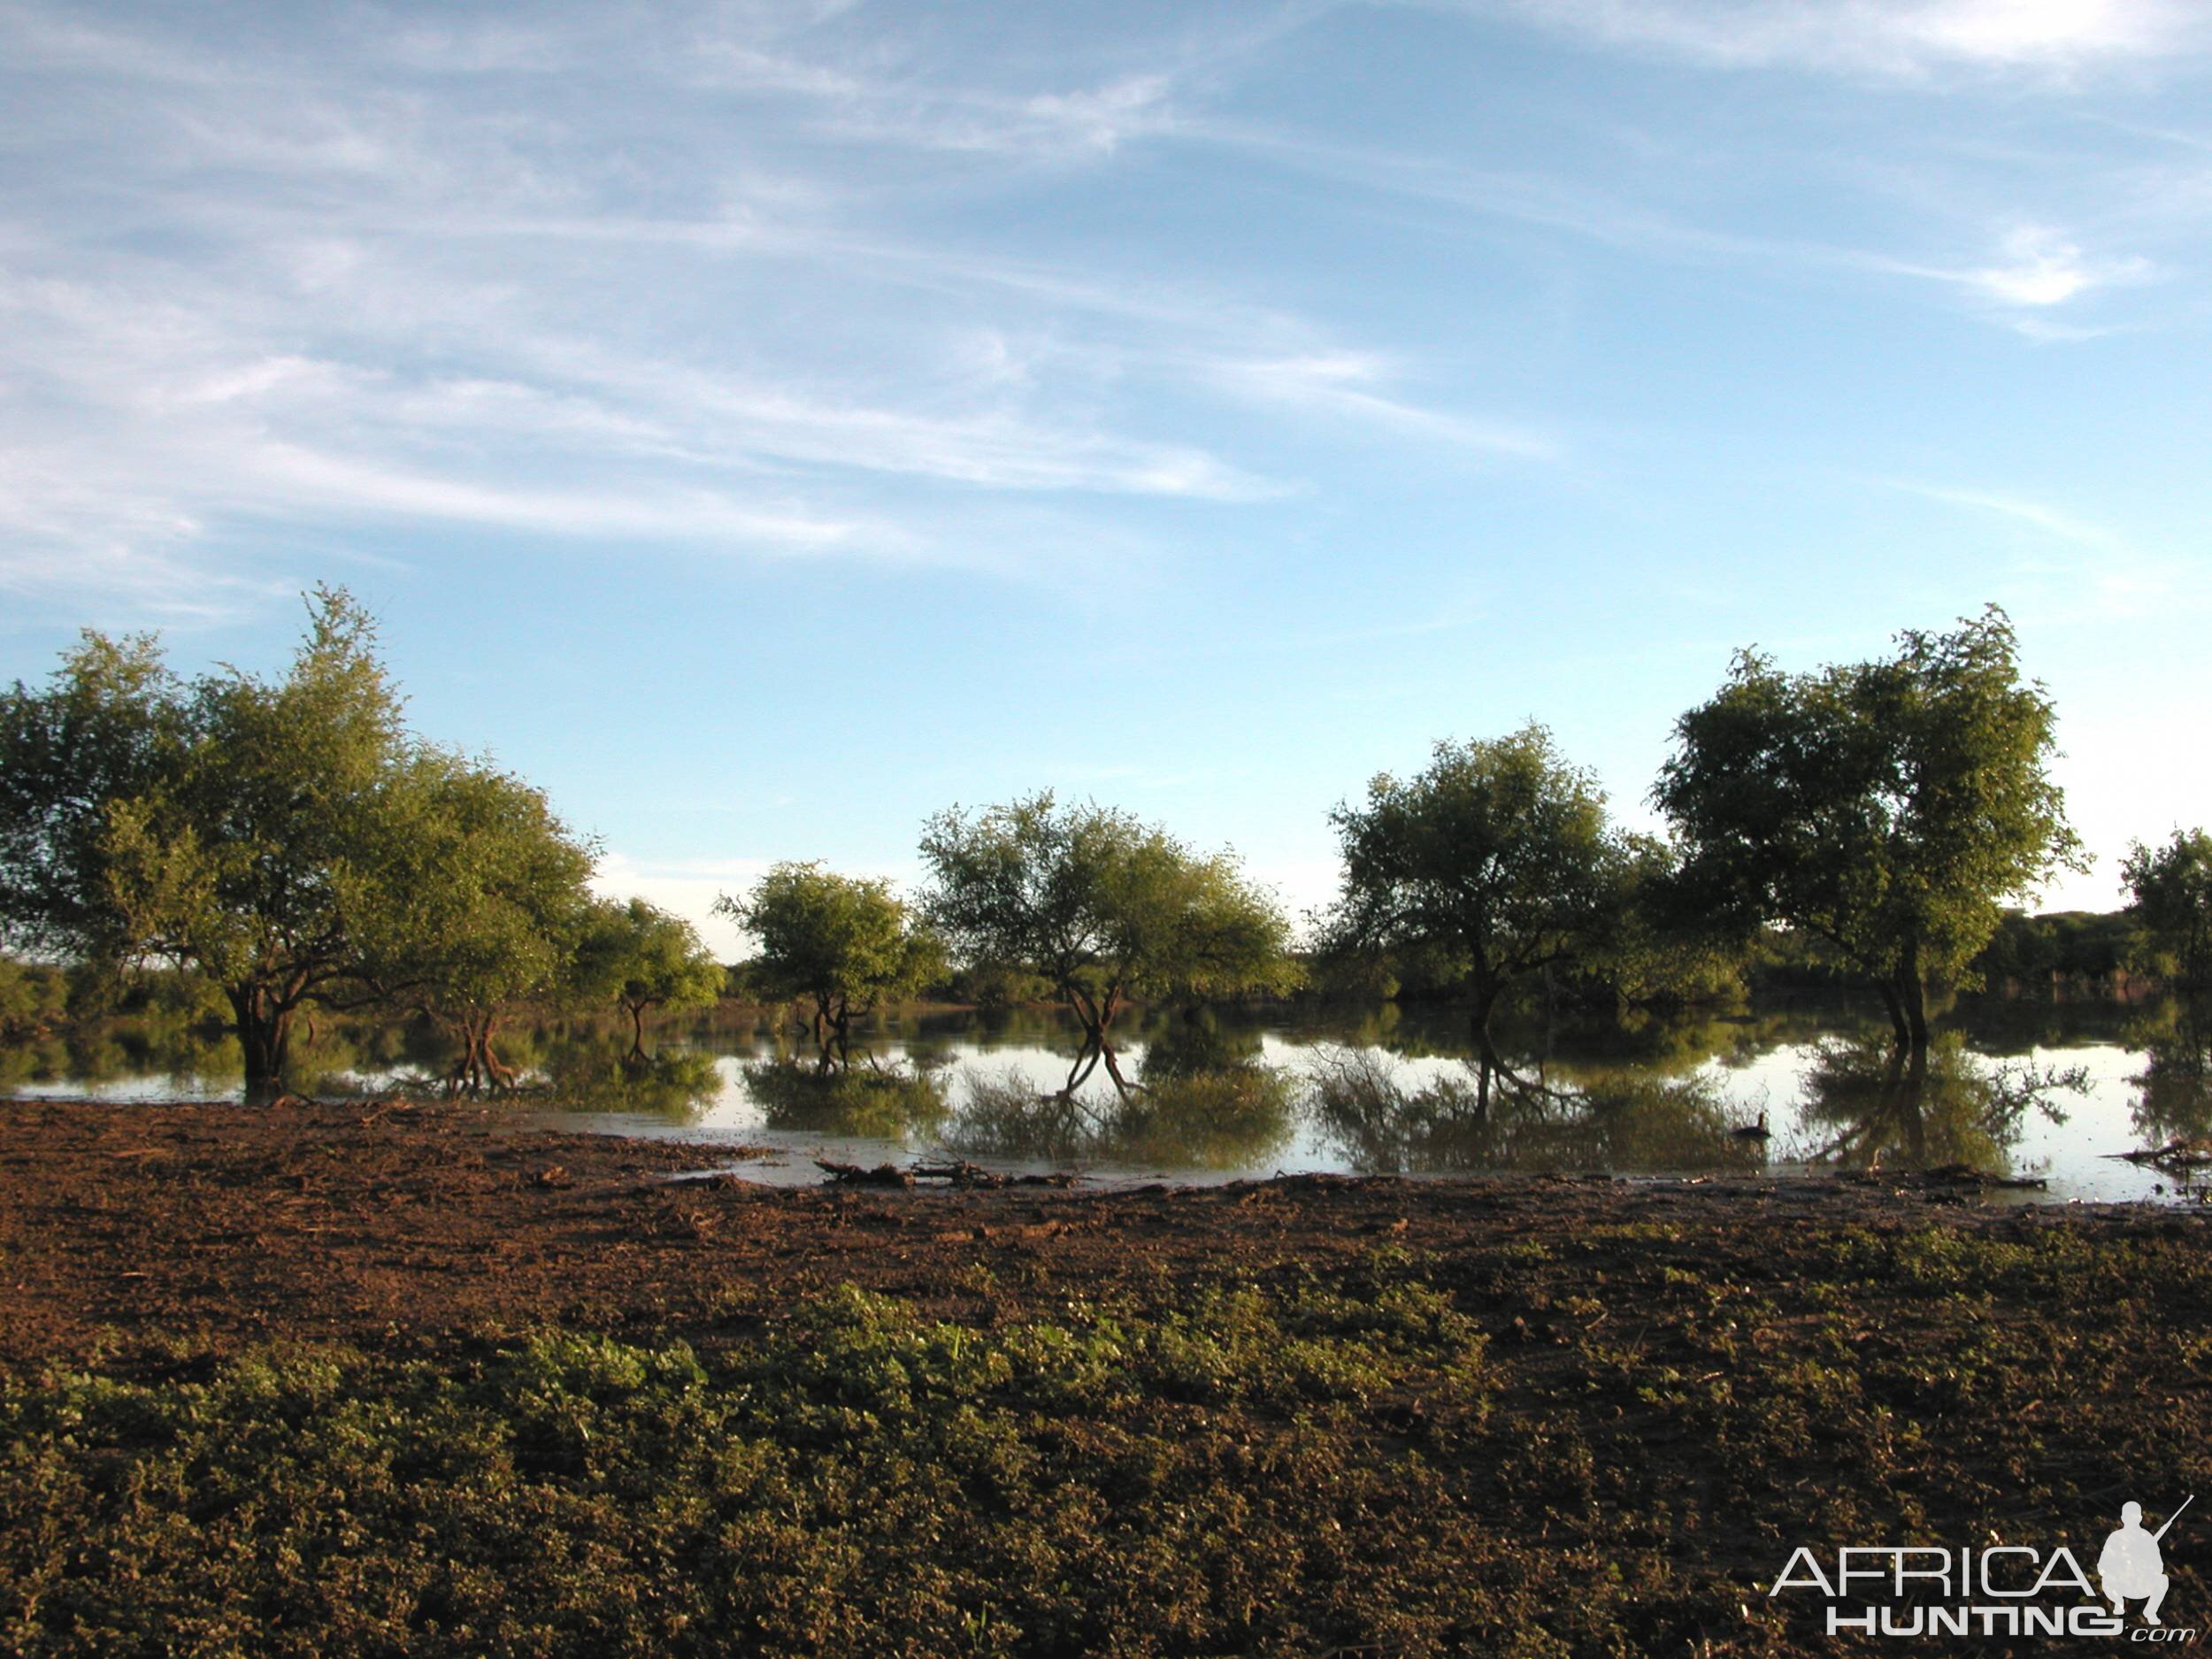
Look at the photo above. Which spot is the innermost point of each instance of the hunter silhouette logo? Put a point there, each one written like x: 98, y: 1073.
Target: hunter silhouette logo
x: 1995, y: 1589
x: 2130, y: 1565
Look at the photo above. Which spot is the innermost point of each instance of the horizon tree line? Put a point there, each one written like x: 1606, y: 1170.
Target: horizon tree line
x: 292, y: 841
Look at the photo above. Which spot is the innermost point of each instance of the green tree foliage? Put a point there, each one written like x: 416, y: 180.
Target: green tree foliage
x: 844, y: 943
x: 2087, y: 946
x: 1498, y: 855
x: 1649, y: 951
x: 1101, y: 907
x: 2172, y: 904
x: 240, y: 826
x: 112, y: 725
x: 287, y: 838
x: 34, y: 999
x: 1888, y: 807
x: 491, y: 909
x: 644, y: 958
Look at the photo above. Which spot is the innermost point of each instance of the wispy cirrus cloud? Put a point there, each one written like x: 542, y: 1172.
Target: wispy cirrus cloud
x: 1353, y: 386
x: 1033, y: 126
x: 2035, y: 268
x: 2056, y: 521
x: 2103, y: 571
x: 2021, y: 276
x: 1912, y: 39
x: 370, y: 283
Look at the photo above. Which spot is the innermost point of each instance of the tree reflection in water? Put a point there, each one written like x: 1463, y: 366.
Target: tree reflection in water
x: 1868, y: 1102
x: 598, y: 1074
x: 1233, y: 1117
x: 2173, y: 1098
x: 888, y: 1103
x: 1485, y: 1116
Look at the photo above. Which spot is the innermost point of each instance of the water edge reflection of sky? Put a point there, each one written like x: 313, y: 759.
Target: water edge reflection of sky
x: 2042, y: 1091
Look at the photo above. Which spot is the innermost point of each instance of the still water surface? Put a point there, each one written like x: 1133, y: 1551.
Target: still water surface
x: 2020, y: 1090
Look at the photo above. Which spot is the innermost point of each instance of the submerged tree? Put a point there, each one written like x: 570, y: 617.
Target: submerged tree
x: 1887, y: 808
x: 644, y: 958
x: 493, y: 911
x: 844, y: 943
x: 112, y: 725
x: 243, y: 826
x: 2171, y: 902
x: 1498, y: 856
x: 1103, y: 908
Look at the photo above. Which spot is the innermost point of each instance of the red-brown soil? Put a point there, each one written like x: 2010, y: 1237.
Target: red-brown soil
x: 230, y: 1224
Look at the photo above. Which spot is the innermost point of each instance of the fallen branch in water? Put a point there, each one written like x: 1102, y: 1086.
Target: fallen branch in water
x: 2176, y: 1156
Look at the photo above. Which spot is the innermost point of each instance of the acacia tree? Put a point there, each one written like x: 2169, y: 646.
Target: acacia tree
x: 1498, y: 856
x: 845, y: 943
x: 236, y: 825
x: 1103, y: 908
x: 111, y: 725
x: 493, y: 906
x: 2171, y: 902
x: 1888, y: 807
x: 644, y: 958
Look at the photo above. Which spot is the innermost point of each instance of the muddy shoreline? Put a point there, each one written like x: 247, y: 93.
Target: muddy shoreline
x: 355, y: 1223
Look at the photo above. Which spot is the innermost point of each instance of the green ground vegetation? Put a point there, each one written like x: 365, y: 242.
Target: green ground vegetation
x: 1597, y: 1442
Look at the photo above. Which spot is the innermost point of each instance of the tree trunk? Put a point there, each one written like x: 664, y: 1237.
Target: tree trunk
x: 1112, y: 1007
x: 265, y: 1036
x: 1486, y: 994
x: 1895, y: 1003
x: 1086, y: 1062
x: 1113, y: 1069
x: 1487, y: 998
x: 1907, y: 994
x: 497, y: 1076
x: 1094, y: 1017
x: 1909, y: 1101
x: 1915, y: 991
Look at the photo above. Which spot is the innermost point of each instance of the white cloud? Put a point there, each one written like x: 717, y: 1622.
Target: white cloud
x: 2038, y: 267
x: 141, y: 572
x: 2034, y: 272
x: 1110, y: 115
x: 2030, y: 272
x: 685, y: 890
x: 1904, y: 38
x: 370, y: 287
x: 1342, y: 385
x: 689, y: 888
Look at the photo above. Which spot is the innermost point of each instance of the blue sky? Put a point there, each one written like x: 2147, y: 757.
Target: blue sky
x: 764, y: 425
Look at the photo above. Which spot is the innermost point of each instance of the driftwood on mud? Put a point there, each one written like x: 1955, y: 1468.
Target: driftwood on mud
x: 1965, y: 1175
x: 959, y: 1172
x: 853, y: 1175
